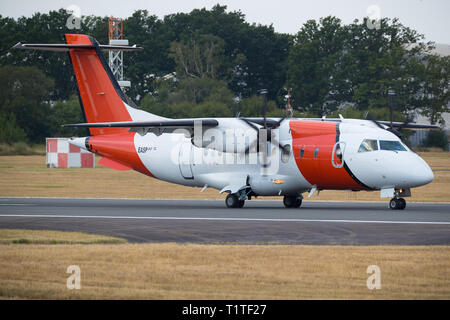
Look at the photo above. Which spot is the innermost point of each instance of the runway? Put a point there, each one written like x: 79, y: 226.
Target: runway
x: 259, y: 222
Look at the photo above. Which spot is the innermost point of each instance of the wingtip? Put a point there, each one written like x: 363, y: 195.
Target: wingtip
x: 18, y: 45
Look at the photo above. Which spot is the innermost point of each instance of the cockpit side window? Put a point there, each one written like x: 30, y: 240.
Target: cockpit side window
x: 368, y: 145
x: 391, y: 145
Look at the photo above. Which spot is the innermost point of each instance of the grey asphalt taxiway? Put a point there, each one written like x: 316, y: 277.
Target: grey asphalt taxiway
x: 259, y: 222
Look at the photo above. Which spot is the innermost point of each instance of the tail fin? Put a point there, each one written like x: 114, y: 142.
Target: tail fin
x: 101, y: 97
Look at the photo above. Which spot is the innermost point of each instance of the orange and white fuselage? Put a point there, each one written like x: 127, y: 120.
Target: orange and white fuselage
x: 310, y: 164
x: 301, y: 155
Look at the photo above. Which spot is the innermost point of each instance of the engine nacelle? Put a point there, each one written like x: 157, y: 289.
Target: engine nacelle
x: 231, y: 135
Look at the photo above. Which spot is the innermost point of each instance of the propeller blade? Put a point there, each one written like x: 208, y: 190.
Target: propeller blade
x: 390, y: 128
x: 251, y: 124
x: 394, y: 131
x: 369, y: 117
x: 278, y: 123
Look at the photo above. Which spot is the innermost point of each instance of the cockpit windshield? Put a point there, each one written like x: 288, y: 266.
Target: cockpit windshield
x: 391, y: 145
x: 372, y: 145
x: 368, y: 145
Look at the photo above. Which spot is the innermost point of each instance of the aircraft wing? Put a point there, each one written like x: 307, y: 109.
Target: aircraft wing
x: 155, y: 126
x: 409, y: 125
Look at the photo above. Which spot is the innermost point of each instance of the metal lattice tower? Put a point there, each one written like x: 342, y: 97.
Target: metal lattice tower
x: 115, y: 34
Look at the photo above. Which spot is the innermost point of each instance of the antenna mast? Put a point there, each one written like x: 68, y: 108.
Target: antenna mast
x: 115, y: 34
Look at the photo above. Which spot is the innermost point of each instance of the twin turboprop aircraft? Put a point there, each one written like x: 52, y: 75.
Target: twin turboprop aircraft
x: 240, y: 156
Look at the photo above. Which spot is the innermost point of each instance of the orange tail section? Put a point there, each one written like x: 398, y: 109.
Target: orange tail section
x: 101, y: 97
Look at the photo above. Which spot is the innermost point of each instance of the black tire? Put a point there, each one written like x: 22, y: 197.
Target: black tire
x: 298, y: 203
x: 394, y: 204
x: 241, y: 203
x: 232, y: 201
x: 402, y: 204
x: 292, y: 202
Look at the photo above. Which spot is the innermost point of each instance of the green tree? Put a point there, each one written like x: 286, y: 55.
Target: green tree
x: 436, y: 83
x: 24, y: 92
x: 386, y: 58
x: 256, y: 54
x: 200, y: 57
x: 252, y: 107
x: 10, y: 132
x: 332, y: 64
x: 190, y: 97
x: 65, y: 112
x: 436, y: 138
x: 313, y: 65
x: 142, y: 67
x: 39, y: 28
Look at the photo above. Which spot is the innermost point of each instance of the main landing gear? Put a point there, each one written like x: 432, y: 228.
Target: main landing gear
x: 233, y: 201
x: 292, y: 201
x: 236, y: 200
x: 397, y: 204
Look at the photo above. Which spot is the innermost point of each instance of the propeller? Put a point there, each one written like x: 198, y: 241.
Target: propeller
x: 391, y: 95
x: 390, y: 128
x: 265, y: 131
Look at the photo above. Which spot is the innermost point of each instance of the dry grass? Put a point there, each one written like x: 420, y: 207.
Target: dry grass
x: 27, y: 176
x: 13, y: 236
x: 176, y: 271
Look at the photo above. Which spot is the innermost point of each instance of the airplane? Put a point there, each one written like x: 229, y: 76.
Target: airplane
x: 242, y: 157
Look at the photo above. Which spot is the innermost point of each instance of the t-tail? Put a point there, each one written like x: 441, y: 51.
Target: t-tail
x: 102, y: 101
x: 101, y: 96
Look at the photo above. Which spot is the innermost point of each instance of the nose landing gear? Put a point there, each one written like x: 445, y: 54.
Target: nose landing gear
x: 397, y: 204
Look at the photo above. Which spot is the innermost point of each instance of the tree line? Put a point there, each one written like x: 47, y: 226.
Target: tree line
x: 217, y: 63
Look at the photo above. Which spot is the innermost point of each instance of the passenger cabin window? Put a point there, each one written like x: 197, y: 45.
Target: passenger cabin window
x: 302, y: 152
x: 368, y: 145
x: 391, y: 145
x: 316, y: 152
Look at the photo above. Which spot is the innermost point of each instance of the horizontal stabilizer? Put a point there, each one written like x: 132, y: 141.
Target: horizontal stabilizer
x: 67, y: 47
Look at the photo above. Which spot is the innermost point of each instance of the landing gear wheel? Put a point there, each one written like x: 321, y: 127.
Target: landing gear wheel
x: 292, y: 202
x: 402, y: 203
x: 232, y: 201
x: 397, y: 204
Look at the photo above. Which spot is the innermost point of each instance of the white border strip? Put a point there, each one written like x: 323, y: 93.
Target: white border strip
x: 223, y: 219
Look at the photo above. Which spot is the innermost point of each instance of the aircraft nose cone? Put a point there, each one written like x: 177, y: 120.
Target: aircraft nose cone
x: 422, y: 173
x: 427, y: 174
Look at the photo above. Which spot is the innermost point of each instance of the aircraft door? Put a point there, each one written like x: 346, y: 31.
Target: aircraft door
x: 185, y: 160
x: 337, y: 155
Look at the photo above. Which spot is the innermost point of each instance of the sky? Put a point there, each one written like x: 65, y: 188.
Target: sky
x: 428, y: 17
